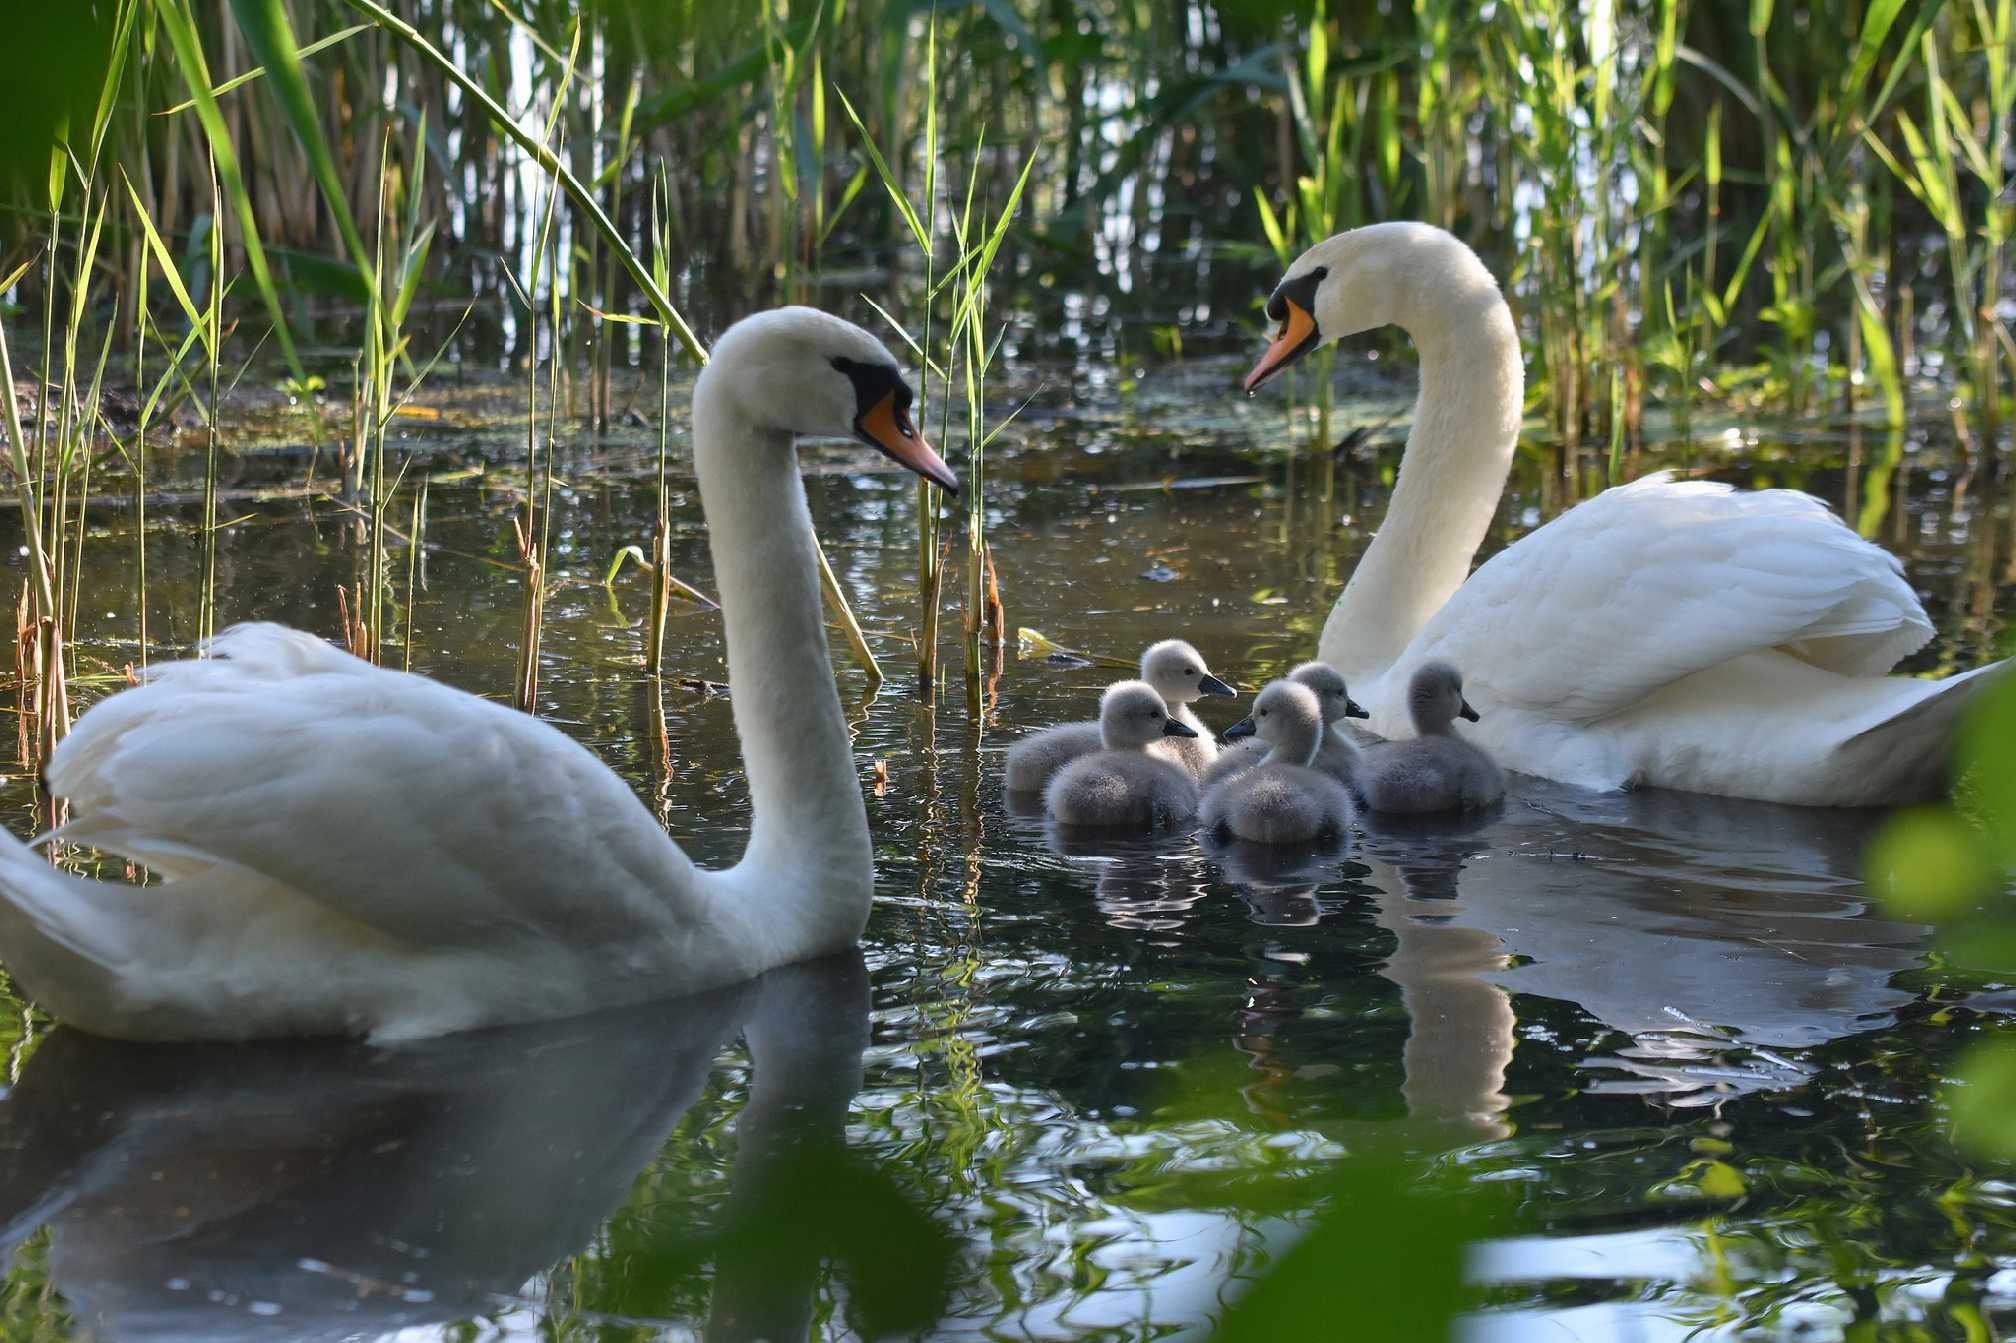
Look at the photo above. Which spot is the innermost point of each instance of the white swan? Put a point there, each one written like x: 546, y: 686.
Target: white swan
x: 1179, y: 676
x: 1436, y: 771
x: 355, y: 851
x: 1125, y: 785
x: 1679, y: 634
x: 1281, y: 800
x: 1337, y: 756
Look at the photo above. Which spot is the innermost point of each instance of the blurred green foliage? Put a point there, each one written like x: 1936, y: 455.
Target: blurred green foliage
x: 1951, y: 865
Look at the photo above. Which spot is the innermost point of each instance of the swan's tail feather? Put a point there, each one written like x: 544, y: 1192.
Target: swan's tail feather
x: 59, y: 938
x: 1908, y: 756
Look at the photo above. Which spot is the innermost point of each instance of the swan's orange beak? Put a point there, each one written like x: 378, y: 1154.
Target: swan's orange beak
x: 1296, y: 338
x: 887, y: 427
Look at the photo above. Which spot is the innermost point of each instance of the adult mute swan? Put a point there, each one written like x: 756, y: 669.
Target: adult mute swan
x: 354, y: 851
x: 1672, y: 633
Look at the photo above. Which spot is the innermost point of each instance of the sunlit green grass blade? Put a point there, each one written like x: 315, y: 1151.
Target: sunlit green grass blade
x: 259, y: 71
x: 180, y: 26
x: 169, y: 270
x: 889, y: 182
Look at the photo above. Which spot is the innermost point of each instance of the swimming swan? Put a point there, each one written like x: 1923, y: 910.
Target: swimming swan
x: 1124, y: 785
x: 1177, y: 673
x: 1437, y: 770
x: 1281, y: 800
x: 354, y: 851
x: 1337, y: 756
x: 1672, y: 633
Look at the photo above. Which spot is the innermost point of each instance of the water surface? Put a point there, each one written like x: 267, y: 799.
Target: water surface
x: 1071, y: 1051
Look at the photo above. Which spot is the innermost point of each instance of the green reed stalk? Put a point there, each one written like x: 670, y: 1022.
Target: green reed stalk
x: 661, y: 528
x: 140, y: 462
x: 415, y: 539
x: 531, y: 547
x: 206, y: 616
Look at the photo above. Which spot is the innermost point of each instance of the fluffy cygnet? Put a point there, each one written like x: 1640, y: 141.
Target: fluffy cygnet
x: 1281, y: 800
x: 1122, y: 784
x: 1337, y: 756
x: 1437, y: 770
x: 1179, y: 676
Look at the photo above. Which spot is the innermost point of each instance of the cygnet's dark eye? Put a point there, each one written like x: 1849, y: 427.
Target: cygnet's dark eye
x: 1189, y: 671
x: 1263, y: 713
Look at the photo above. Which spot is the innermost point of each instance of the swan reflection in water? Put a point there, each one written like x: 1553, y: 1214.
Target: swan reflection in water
x: 1714, y: 933
x: 291, y: 1191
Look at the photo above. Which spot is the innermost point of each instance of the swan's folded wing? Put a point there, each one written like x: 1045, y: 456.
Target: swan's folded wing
x: 417, y: 810
x: 1659, y: 579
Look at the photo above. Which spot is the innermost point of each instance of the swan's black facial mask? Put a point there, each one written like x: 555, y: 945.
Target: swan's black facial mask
x: 1294, y: 307
x: 882, y: 421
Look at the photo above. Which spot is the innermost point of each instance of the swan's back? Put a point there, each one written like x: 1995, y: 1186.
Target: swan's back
x: 279, y: 752
x: 1122, y: 788
x: 1429, y: 774
x: 1278, y: 804
x: 1656, y: 580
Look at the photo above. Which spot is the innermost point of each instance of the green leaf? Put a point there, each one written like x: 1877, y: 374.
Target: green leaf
x: 889, y: 183
x: 1928, y: 863
x: 1982, y: 1101
x: 1719, y: 1179
x: 259, y: 71
x: 1388, y: 1255
x: 1988, y: 767
x: 166, y: 261
x: 180, y: 26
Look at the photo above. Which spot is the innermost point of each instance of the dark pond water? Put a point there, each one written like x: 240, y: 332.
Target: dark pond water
x: 1071, y: 1057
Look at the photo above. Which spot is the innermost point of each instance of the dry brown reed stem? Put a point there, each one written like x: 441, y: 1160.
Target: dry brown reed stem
x: 48, y: 695
x: 356, y: 635
x: 837, y: 607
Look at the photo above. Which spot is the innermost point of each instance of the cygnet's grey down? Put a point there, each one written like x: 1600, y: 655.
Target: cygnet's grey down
x: 1179, y: 676
x: 1122, y: 785
x: 1337, y: 756
x: 1437, y: 770
x: 1281, y: 800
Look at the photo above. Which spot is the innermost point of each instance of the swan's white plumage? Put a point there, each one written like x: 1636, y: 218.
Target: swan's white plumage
x: 352, y: 850
x: 226, y: 759
x: 1679, y: 634
x: 1653, y: 581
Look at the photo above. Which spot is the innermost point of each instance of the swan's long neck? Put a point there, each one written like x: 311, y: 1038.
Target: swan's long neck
x: 808, y: 862
x: 1466, y: 425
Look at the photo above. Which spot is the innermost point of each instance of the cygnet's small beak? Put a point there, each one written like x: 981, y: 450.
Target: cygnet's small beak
x: 1353, y: 709
x: 1172, y: 728
x: 1297, y: 336
x: 1242, y: 728
x: 889, y: 429
x: 1469, y: 714
x: 1211, y: 685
